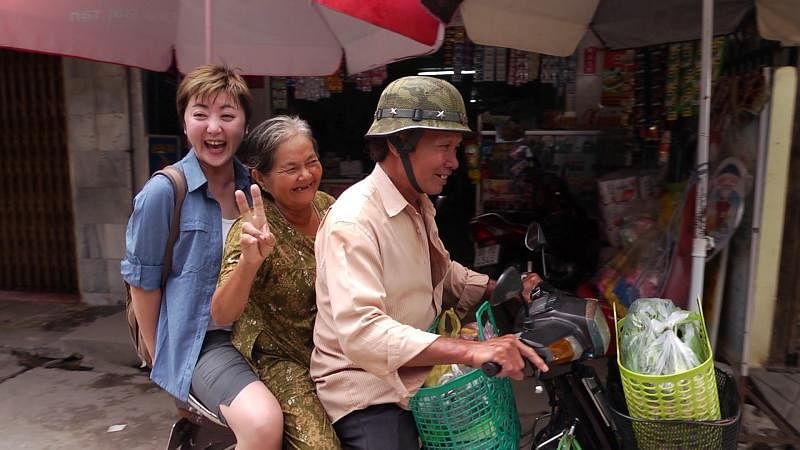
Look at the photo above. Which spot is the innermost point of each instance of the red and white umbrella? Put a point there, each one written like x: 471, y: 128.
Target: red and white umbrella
x: 260, y: 37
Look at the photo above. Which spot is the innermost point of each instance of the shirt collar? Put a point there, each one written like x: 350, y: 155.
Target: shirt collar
x: 196, y: 178
x: 194, y: 174
x: 393, y: 200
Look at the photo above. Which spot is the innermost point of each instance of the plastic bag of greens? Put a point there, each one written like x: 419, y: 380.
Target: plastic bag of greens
x: 658, y: 338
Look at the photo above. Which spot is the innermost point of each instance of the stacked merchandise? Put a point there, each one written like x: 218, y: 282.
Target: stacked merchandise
x: 334, y: 83
x: 278, y: 93
x: 515, y: 67
x: 561, y: 73
x: 683, y: 76
x: 631, y: 225
x: 316, y: 88
x: 653, y: 88
x: 618, y: 81
x: 309, y: 88
x: 649, y: 84
x: 368, y: 80
x: 518, y: 69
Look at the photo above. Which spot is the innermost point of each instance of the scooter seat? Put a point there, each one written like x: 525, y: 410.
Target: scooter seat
x: 198, y: 427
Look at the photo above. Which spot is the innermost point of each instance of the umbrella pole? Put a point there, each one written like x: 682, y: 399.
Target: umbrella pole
x: 700, y: 241
x: 208, y: 31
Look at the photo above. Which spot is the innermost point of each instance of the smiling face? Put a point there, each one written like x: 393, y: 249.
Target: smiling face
x: 295, y: 175
x: 215, y: 127
x: 433, y: 160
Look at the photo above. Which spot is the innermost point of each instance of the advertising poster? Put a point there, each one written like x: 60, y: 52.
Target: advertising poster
x: 163, y: 150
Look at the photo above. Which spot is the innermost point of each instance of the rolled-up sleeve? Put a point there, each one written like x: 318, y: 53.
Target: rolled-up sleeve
x: 146, y: 235
x: 466, y: 285
x: 369, y: 337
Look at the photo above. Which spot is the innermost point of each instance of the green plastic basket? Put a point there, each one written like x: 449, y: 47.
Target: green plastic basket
x: 687, y: 395
x: 471, y: 411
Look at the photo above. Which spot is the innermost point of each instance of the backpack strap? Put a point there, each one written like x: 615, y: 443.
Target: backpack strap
x: 178, y: 180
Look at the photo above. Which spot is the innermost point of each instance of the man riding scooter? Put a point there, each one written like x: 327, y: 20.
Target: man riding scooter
x: 383, y: 275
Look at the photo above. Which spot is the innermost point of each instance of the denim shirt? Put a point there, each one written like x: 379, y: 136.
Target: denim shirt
x: 186, y: 304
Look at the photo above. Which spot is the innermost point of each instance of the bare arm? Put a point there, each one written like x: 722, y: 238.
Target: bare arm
x: 255, y: 244
x: 231, y: 296
x: 146, y: 306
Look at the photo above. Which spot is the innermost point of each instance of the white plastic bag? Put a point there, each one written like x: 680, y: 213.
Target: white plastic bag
x: 658, y: 338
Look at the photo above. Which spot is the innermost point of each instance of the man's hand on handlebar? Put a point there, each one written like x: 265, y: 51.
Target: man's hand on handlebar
x: 508, y: 352
x: 529, y: 283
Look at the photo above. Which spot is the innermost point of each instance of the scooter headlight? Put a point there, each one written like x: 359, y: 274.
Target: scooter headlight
x: 564, y: 350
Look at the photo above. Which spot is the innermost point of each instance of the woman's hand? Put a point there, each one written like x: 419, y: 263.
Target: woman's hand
x: 256, y: 241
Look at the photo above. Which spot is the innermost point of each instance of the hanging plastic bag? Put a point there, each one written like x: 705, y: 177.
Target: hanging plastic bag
x: 658, y: 338
x: 448, y: 325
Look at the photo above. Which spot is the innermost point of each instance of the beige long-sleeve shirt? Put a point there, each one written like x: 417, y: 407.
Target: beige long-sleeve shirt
x: 382, y: 273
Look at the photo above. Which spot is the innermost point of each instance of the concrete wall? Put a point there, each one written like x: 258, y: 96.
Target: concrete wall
x: 98, y: 111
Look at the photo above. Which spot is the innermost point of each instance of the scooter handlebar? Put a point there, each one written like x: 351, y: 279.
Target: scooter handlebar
x: 491, y: 368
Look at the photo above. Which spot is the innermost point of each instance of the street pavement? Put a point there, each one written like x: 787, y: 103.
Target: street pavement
x: 68, y: 380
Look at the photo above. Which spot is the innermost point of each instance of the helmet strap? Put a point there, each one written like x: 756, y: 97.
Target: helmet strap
x: 404, y: 148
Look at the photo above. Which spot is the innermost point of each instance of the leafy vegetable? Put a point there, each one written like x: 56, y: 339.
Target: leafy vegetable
x: 658, y: 338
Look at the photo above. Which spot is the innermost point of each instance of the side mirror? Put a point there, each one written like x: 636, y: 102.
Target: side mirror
x: 509, y: 286
x: 534, y: 237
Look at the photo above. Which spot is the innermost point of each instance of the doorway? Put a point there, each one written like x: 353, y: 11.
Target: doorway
x: 37, y: 241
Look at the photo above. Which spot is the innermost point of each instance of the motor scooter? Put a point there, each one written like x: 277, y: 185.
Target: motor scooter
x: 199, y: 428
x: 566, y: 331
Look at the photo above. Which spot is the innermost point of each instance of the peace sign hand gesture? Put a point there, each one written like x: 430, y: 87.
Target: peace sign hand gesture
x: 256, y: 241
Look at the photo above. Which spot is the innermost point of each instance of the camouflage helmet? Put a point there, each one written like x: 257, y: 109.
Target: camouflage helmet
x: 419, y: 102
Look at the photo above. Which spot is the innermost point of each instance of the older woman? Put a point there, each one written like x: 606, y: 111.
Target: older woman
x: 267, y: 279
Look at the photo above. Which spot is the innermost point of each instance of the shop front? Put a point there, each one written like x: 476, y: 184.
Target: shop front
x: 599, y: 147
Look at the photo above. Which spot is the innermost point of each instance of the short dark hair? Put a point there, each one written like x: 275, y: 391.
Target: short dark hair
x: 378, y: 146
x: 208, y: 81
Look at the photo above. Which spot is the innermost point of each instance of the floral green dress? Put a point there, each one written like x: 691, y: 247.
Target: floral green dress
x: 274, y: 333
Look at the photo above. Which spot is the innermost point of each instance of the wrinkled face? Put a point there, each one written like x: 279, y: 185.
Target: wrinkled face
x: 296, y: 173
x: 215, y: 127
x: 434, y: 159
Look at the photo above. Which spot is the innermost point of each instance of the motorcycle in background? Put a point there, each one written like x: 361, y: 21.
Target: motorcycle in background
x: 572, y: 233
x: 569, y: 257
x: 497, y: 242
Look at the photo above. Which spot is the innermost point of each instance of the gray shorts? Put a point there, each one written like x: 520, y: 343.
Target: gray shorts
x: 221, y: 372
